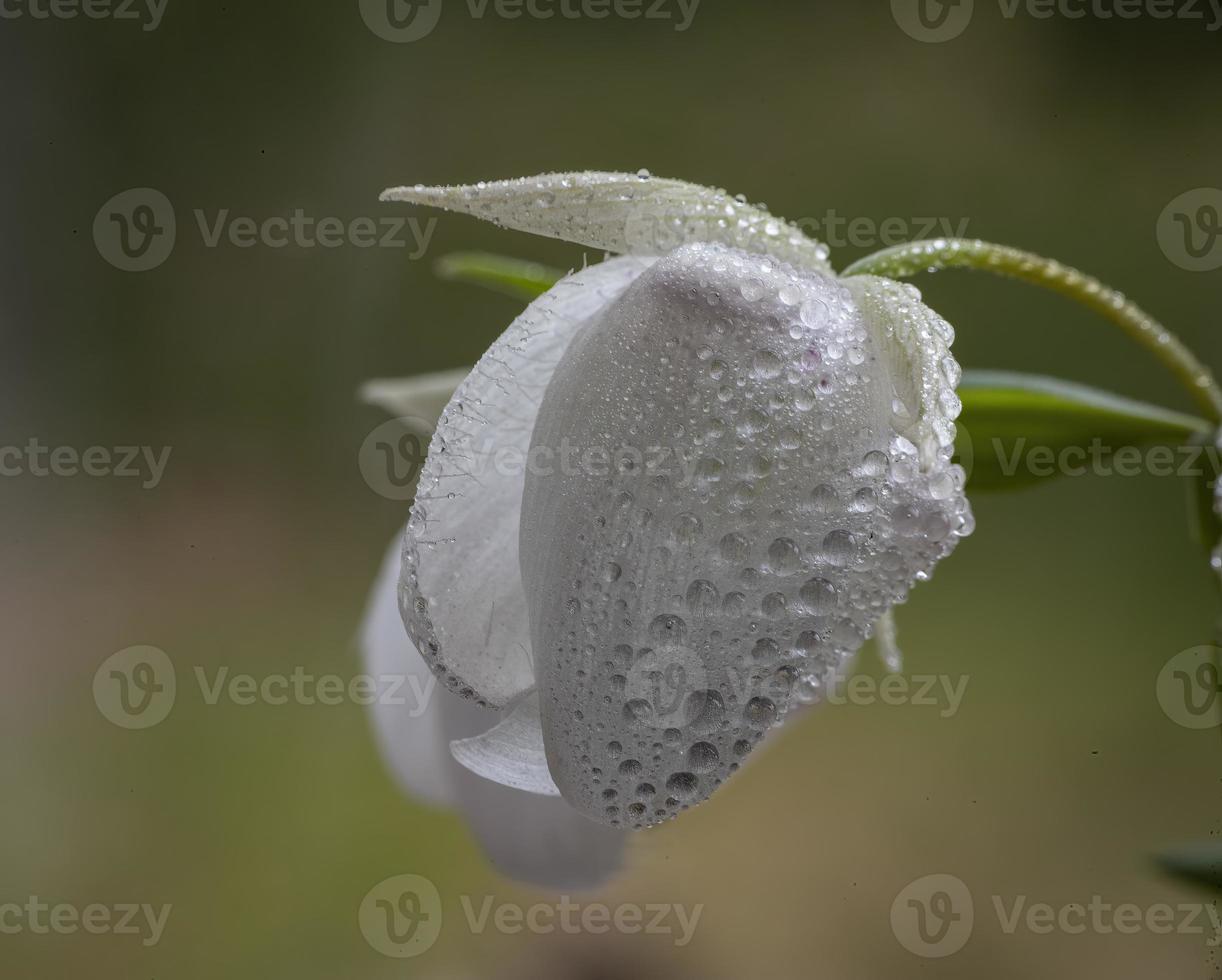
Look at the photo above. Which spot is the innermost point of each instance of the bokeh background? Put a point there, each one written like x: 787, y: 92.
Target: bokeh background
x: 265, y: 826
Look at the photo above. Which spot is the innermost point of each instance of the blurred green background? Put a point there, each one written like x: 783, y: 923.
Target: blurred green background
x: 264, y: 826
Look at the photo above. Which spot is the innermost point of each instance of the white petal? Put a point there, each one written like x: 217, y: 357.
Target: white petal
x: 409, y: 734
x: 461, y: 591
x: 770, y: 514
x: 511, y: 753
x: 422, y: 397
x: 916, y: 341
x: 623, y: 213
x: 538, y: 840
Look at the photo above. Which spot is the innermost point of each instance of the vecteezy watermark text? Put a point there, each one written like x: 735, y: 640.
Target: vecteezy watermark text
x: 122, y: 462
x: 392, y: 455
x: 136, y: 230
x: 402, y: 21
x: 138, y: 686
x: 838, y: 231
x: 40, y: 918
x: 645, y: 227
x: 1024, y: 457
x: 934, y: 21
x: 935, y: 916
x: 402, y: 917
x: 147, y: 13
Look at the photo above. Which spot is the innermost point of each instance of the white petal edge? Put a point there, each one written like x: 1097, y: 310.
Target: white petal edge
x: 461, y: 589
x: 916, y: 341
x: 628, y: 214
x: 512, y: 753
x: 410, y: 735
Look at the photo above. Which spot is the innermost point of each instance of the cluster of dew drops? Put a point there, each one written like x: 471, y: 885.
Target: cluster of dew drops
x: 623, y: 209
x: 708, y: 608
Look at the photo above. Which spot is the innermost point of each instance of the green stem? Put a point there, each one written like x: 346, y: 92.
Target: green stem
x: 946, y: 253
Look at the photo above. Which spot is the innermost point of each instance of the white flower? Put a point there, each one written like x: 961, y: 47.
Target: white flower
x: 668, y: 504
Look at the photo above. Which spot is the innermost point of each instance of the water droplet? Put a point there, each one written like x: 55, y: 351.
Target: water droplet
x: 766, y: 364
x: 637, y: 710
x: 818, y: 596
x: 668, y: 628
x: 824, y: 499
x: 734, y: 547
x: 837, y: 548
x: 864, y: 501
x: 874, y: 464
x: 702, y: 598
x: 687, y: 529
x: 783, y: 556
x: 683, y: 785
x: 759, y: 712
x: 813, y: 314
x: 703, y: 757
x: 773, y: 605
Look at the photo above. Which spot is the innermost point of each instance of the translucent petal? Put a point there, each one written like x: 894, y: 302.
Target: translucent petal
x: 534, y: 839
x: 540, y: 840
x: 422, y: 397
x: 624, y: 213
x: 408, y: 728
x: 511, y: 753
x: 461, y: 590
x: 759, y: 513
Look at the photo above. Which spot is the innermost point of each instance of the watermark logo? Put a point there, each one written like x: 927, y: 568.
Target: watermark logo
x: 401, y: 21
x: 1190, y: 688
x: 135, y: 230
x: 401, y: 916
x: 392, y: 456
x: 666, y: 686
x: 135, y: 688
x: 1190, y: 230
x: 933, y: 916
x: 932, y: 21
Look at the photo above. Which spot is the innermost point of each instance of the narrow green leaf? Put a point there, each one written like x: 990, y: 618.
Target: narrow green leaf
x: 1199, y: 863
x: 1017, y: 430
x: 1206, y: 522
x: 514, y: 277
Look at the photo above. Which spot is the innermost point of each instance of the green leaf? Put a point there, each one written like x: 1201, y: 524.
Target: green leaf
x: 1017, y: 430
x: 514, y: 277
x: 1199, y: 863
x: 1206, y: 522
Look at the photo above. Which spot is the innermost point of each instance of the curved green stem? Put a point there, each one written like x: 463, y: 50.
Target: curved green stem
x: 945, y: 253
